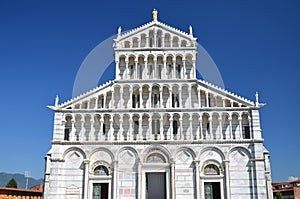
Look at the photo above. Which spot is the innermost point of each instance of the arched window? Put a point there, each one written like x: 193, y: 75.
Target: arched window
x: 135, y: 43
x: 68, y: 128
x: 211, y: 169
x: 127, y: 44
x: 101, y: 170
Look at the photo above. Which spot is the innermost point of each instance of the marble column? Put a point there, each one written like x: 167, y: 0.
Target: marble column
x: 220, y: 130
x: 171, y: 129
x: 173, y: 191
x: 115, y: 179
x: 206, y: 96
x: 227, y: 180
x: 230, y: 128
x: 140, y: 133
x: 197, y: 189
x: 86, y: 177
x: 199, y: 96
x: 240, y: 128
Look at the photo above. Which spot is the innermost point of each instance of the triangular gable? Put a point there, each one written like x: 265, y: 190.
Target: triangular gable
x: 109, y: 86
x: 225, y: 93
x: 158, y: 25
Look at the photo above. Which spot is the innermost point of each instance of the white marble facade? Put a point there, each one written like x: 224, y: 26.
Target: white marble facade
x: 156, y: 131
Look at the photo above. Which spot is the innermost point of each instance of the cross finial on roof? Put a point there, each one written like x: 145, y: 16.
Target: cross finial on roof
x: 154, y: 14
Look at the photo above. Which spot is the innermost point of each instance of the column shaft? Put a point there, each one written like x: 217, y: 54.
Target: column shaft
x: 199, y: 96
x: 206, y: 95
x: 240, y: 128
x: 86, y: 177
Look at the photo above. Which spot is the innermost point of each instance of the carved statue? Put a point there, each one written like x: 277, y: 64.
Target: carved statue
x: 256, y: 99
x: 154, y: 13
x: 119, y: 30
x: 191, y: 31
x: 56, y: 100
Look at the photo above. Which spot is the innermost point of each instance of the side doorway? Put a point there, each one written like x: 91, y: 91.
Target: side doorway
x: 212, y: 190
x: 156, y: 185
x: 100, y: 191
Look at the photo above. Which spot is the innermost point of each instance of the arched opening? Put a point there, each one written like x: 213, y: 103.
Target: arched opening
x: 135, y: 43
x: 151, y: 38
x: 167, y: 40
x: 131, y: 66
x: 156, y: 126
x: 127, y: 44
x: 175, y: 42
x: 143, y: 40
x: 155, y: 97
x: 68, y: 128
x: 183, y: 43
x: 159, y: 38
x: 246, y: 126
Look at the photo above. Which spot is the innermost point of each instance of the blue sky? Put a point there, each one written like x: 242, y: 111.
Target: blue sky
x: 255, y: 45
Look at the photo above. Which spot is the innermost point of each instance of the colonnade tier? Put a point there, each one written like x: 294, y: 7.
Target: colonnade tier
x: 147, y: 65
x: 157, y: 126
x: 158, y: 96
x: 155, y: 38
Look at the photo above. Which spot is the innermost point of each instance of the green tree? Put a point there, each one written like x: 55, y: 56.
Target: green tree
x: 279, y: 195
x: 12, y: 183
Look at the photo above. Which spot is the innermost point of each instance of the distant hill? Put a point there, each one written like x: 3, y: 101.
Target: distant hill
x: 20, y: 178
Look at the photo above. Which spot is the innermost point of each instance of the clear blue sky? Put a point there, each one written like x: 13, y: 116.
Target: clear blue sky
x: 255, y: 44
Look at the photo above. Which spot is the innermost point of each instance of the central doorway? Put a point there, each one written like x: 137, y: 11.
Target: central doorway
x: 156, y: 185
x: 212, y: 190
x: 100, y: 191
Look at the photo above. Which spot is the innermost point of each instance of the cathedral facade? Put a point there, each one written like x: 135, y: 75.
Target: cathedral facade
x: 156, y: 131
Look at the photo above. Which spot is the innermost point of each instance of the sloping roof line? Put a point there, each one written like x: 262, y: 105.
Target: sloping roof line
x: 20, y: 190
x: 87, y: 93
x: 149, y: 24
x: 109, y: 83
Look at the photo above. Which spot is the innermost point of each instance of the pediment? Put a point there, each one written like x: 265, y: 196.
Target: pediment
x: 102, y: 96
x: 163, y: 37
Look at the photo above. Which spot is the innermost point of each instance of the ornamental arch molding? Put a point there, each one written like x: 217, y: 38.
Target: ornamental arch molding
x: 212, y: 149
x: 185, y: 148
x: 75, y: 149
x: 106, y: 155
x: 127, y: 148
x: 242, y: 148
x: 156, y: 149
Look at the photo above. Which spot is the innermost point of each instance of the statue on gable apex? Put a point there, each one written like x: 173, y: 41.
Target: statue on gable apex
x: 154, y: 14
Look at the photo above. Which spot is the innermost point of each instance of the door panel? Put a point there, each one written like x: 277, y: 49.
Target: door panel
x: 156, y: 185
x: 100, y: 191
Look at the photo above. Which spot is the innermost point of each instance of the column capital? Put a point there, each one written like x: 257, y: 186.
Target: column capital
x: 86, y: 161
x: 226, y: 162
x: 196, y: 162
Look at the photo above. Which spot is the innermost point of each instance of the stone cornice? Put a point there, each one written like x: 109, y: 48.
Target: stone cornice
x: 147, y: 142
x: 156, y: 110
